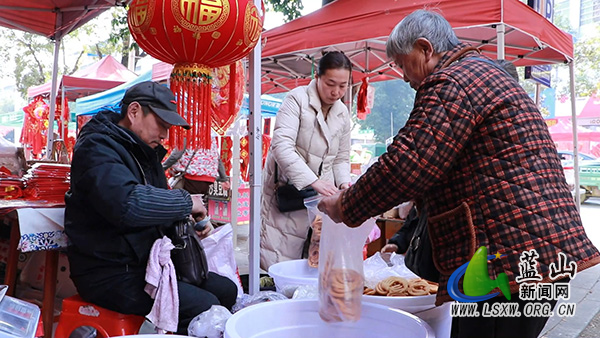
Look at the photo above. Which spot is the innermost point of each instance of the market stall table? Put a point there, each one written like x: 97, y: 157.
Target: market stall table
x: 40, y: 225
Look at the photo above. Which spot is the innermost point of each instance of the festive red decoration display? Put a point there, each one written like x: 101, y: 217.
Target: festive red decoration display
x: 227, y: 85
x: 365, y: 99
x: 227, y: 153
x: 245, y: 155
x: 62, y: 117
x: 194, y: 35
x: 35, y: 126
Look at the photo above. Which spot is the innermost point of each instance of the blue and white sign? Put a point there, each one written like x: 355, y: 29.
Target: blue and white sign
x: 539, y: 73
x: 544, y: 7
x: 269, y: 105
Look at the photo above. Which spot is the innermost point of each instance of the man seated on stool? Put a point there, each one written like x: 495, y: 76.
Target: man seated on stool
x: 119, y: 201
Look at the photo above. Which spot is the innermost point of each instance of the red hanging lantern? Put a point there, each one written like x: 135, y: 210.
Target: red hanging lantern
x: 195, y: 36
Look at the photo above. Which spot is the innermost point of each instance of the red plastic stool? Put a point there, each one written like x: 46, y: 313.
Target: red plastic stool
x: 76, y: 313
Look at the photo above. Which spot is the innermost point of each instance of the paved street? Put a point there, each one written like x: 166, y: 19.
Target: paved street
x: 585, y: 289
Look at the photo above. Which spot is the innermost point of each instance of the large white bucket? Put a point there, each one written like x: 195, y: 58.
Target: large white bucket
x: 300, y: 319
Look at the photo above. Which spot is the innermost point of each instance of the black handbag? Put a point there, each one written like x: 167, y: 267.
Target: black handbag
x: 188, y: 256
x: 289, y: 198
x: 419, y: 257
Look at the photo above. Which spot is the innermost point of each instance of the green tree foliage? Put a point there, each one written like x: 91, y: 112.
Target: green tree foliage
x: 393, y: 102
x: 290, y: 8
x: 32, y: 55
x: 587, y: 67
x: 586, y: 52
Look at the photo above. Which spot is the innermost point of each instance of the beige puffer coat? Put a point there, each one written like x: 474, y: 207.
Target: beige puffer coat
x: 302, y: 140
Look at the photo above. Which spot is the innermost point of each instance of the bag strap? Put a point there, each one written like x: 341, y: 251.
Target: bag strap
x: 277, y: 173
x: 190, y: 161
x: 139, y: 167
x: 420, y: 228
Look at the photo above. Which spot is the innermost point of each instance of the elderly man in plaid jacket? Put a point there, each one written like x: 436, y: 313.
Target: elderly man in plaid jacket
x: 477, y: 151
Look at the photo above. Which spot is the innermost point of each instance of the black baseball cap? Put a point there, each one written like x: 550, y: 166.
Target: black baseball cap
x: 159, y: 98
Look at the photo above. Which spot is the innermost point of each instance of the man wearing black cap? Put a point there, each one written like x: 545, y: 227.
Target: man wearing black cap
x: 119, y: 201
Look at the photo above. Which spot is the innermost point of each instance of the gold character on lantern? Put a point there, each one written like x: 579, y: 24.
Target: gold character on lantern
x: 201, y: 15
x: 142, y: 15
x: 252, y: 25
x: 176, y: 29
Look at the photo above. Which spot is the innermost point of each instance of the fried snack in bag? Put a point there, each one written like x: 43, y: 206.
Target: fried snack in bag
x: 341, y: 280
x: 315, y: 239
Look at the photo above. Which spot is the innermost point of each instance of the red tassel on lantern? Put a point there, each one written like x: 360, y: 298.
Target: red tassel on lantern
x: 194, y: 35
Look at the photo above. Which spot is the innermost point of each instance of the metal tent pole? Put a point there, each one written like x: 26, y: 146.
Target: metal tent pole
x: 575, y: 136
x: 255, y: 146
x: 235, y: 178
x: 53, y: 90
x: 500, y: 30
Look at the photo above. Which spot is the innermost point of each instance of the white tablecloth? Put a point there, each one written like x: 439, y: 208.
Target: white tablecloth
x: 41, y: 229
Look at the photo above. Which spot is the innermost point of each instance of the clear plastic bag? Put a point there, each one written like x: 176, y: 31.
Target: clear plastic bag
x: 316, y: 223
x: 259, y: 297
x: 209, y: 324
x: 341, y: 280
x: 306, y: 292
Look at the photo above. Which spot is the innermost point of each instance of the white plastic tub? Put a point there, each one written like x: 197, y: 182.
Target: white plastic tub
x: 289, y: 275
x: 412, y: 304
x: 300, y: 319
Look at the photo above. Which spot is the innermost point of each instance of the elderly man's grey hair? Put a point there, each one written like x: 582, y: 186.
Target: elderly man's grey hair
x: 421, y: 24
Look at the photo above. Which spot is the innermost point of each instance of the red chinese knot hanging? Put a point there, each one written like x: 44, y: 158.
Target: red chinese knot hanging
x: 195, y: 36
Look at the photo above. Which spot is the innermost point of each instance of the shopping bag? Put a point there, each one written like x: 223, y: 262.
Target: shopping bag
x: 341, y: 280
x: 220, y: 254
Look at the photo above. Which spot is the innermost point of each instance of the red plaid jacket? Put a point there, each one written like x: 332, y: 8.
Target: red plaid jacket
x: 478, y: 152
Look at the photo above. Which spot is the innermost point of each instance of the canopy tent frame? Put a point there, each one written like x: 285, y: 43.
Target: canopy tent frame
x: 288, y: 49
x: 82, y: 10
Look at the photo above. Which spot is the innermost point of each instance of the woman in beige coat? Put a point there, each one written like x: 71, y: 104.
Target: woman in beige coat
x: 311, y: 147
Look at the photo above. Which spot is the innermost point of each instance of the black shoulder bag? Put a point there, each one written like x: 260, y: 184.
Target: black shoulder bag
x: 188, y: 256
x: 289, y: 198
x: 419, y: 257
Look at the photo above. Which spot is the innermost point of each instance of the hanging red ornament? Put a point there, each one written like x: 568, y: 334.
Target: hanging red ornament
x: 227, y: 95
x: 195, y: 36
x: 35, y: 125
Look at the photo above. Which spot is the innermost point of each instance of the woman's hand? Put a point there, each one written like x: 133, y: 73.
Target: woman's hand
x: 344, y: 186
x: 198, y: 209
x: 324, y: 188
x: 226, y: 185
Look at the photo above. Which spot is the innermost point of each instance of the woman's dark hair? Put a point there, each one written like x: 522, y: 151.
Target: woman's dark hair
x: 334, y: 60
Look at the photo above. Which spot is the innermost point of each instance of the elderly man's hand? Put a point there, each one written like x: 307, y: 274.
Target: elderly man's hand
x: 198, y: 209
x: 206, y: 231
x: 389, y: 248
x: 330, y: 206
